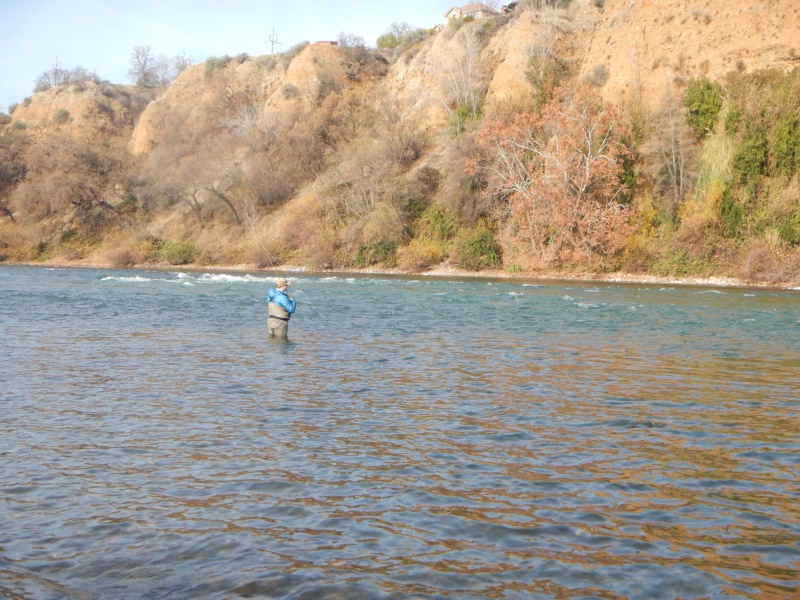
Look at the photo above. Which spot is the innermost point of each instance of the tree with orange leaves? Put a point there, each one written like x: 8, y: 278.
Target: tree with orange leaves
x: 559, y: 174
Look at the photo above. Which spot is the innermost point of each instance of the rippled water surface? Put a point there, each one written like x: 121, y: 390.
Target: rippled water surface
x: 422, y: 438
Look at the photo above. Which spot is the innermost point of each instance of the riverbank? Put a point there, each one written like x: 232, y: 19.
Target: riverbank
x: 443, y: 270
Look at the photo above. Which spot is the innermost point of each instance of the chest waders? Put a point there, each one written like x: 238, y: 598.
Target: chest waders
x: 278, y: 322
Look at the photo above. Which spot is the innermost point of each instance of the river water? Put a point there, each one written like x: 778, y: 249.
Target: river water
x: 416, y: 438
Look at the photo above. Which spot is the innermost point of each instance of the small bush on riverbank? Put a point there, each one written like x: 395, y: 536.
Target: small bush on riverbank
x: 419, y: 255
x: 174, y: 253
x: 477, y: 250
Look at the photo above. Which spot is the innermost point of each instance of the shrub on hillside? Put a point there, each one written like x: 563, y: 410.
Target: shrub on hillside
x: 679, y: 263
x: 124, y: 257
x: 476, y: 249
x: 731, y: 214
x: 289, y: 90
x: 789, y: 231
x: 420, y: 254
x: 61, y: 116
x: 174, y: 253
x: 750, y: 158
x: 785, y: 143
x: 401, y: 37
x: 703, y: 100
x: 462, y: 116
x: 437, y: 223
x: 378, y: 254
x: 217, y: 62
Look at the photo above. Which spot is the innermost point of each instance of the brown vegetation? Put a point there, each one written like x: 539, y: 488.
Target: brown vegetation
x: 536, y: 139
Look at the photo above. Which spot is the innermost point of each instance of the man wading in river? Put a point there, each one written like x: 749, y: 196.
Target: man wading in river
x: 281, y: 308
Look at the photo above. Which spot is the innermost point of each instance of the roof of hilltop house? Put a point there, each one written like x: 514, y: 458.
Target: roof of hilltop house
x: 477, y: 10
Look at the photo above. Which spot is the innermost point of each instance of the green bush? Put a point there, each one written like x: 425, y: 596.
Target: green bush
x: 462, y: 116
x: 546, y: 73
x: 415, y: 206
x: 477, y: 249
x: 785, y: 143
x: 42, y: 251
x: 412, y: 38
x: 383, y: 254
x: 789, y: 231
x: 454, y: 25
x: 437, y: 223
x: 388, y: 41
x: 732, y: 120
x: 174, y: 253
x: 731, y: 214
x: 679, y: 263
x: 703, y: 99
x: 750, y: 158
x: 627, y: 178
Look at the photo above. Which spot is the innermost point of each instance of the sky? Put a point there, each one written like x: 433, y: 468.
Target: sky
x: 100, y: 35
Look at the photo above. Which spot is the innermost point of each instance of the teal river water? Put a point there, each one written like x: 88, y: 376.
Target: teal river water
x: 417, y: 438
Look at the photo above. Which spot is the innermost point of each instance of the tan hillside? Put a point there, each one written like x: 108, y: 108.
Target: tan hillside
x: 653, y: 47
x: 190, y: 108
x: 649, y: 48
x: 348, y: 156
x: 85, y: 109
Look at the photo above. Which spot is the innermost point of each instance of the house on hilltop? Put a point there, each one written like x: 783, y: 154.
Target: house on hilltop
x: 477, y: 10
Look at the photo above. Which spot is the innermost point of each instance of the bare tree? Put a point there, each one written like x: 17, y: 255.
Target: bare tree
x: 179, y: 63
x: 464, y: 75
x: 672, y: 149
x: 349, y: 40
x: 560, y: 171
x: 150, y: 70
x: 400, y: 29
x: 57, y: 75
x: 143, y: 70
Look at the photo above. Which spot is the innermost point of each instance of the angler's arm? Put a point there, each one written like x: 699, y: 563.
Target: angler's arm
x: 286, y: 303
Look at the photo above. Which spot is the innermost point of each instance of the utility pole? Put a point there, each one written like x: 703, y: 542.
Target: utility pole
x: 273, y: 39
x: 56, y: 73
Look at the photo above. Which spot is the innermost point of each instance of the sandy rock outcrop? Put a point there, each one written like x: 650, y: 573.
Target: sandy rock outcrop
x: 638, y: 52
x: 87, y: 110
x: 651, y: 48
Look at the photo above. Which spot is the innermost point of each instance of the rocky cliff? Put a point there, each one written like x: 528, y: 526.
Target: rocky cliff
x: 651, y: 48
x: 643, y: 51
x: 324, y: 137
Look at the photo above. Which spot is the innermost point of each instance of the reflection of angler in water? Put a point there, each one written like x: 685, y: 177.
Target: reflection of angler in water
x: 281, y: 308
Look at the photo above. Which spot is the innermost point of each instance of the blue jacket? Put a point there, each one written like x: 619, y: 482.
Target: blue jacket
x: 282, y: 300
